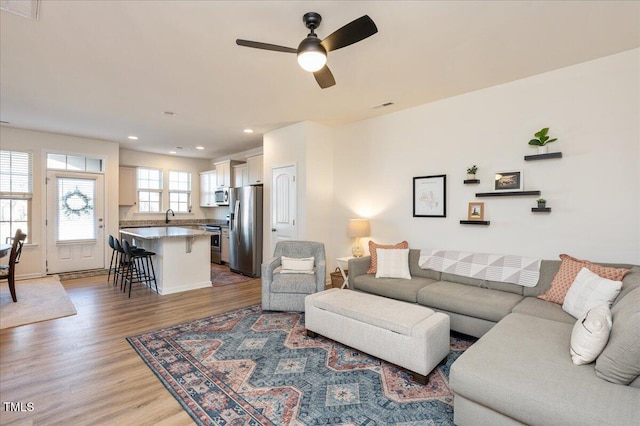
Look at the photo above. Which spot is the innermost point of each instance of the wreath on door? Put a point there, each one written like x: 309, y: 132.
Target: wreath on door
x: 76, y: 203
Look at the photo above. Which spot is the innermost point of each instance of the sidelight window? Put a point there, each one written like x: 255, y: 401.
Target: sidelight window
x: 16, y: 176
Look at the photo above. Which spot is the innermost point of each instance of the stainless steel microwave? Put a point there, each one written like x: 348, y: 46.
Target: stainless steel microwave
x: 222, y: 196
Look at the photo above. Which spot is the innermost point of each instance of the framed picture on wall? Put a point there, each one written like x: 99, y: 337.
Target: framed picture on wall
x: 511, y: 180
x: 476, y: 211
x: 430, y: 196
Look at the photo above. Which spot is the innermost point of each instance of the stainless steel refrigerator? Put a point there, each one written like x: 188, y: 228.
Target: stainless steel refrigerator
x: 245, y: 230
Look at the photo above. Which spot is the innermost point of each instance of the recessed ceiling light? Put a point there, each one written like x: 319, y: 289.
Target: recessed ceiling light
x: 248, y: 130
x: 133, y: 138
x: 172, y: 152
x: 200, y: 147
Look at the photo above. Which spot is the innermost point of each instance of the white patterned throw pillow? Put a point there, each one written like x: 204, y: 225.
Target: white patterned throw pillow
x: 293, y: 265
x: 588, y: 291
x: 590, y: 335
x: 393, y: 263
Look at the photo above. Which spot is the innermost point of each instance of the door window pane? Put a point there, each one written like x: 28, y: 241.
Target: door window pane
x: 76, y: 209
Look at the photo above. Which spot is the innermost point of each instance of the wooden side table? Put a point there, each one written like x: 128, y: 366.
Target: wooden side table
x: 342, y: 263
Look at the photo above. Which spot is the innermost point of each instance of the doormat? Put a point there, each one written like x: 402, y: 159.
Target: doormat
x: 259, y: 368
x: 221, y: 275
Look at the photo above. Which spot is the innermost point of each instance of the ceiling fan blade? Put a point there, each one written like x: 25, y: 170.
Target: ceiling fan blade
x: 324, y: 77
x: 353, y: 32
x: 265, y: 46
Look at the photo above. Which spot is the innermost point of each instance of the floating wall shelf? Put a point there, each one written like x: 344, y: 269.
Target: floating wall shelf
x: 469, y: 181
x: 541, y: 209
x: 475, y: 222
x: 507, y: 193
x: 547, y: 156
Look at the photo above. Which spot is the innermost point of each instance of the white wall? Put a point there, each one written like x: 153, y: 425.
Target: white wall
x: 594, y: 191
x: 166, y: 163
x: 310, y: 147
x: 40, y: 143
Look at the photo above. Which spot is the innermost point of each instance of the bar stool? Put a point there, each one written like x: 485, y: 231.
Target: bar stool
x: 115, y: 257
x: 140, y: 263
x: 122, y: 262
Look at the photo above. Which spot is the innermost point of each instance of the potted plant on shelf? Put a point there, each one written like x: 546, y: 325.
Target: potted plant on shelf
x: 541, y: 203
x: 471, y: 172
x: 541, y: 140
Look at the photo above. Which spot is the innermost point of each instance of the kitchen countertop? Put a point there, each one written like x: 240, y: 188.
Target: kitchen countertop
x: 157, y: 232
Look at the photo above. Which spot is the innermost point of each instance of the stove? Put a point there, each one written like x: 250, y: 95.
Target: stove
x: 216, y: 232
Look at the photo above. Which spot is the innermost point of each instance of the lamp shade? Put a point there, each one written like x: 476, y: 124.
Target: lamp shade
x: 359, y: 228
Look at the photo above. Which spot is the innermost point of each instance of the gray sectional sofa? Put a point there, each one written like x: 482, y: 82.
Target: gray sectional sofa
x: 520, y: 371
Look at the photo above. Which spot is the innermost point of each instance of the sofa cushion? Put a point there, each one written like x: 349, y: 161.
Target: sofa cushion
x: 395, y: 288
x: 548, y: 270
x: 567, y: 274
x: 393, y: 263
x: 588, y: 291
x: 630, y: 282
x: 538, y: 308
x: 522, y: 369
x: 392, y: 315
x: 619, y: 362
x: 590, y: 334
x: 292, y: 265
x: 293, y: 283
x: 417, y: 271
x: 475, y: 302
x: 373, y: 267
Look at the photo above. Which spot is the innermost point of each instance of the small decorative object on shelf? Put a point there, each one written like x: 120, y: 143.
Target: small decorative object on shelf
x: 541, y: 140
x: 471, y: 172
x: 475, y: 211
x: 542, y: 203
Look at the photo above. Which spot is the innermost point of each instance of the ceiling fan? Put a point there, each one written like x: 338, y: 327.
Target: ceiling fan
x: 312, y: 53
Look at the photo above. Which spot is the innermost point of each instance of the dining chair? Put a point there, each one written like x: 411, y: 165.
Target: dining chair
x: 8, y: 272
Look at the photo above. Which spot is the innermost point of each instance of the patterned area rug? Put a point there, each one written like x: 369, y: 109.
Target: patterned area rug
x: 221, y: 275
x: 246, y: 367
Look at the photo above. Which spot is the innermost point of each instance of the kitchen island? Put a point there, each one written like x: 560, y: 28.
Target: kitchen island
x: 182, y: 260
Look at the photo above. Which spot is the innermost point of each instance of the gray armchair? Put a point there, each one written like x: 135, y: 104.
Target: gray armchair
x: 286, y: 292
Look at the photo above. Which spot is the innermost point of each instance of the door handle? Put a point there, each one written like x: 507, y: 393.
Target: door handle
x: 273, y: 229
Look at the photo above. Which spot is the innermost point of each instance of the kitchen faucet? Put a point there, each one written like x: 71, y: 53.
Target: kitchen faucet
x: 166, y: 215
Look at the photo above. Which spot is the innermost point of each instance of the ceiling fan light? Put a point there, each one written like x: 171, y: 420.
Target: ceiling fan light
x: 311, y: 55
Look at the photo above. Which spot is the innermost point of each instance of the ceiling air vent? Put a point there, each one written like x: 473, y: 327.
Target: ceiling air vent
x: 384, y: 105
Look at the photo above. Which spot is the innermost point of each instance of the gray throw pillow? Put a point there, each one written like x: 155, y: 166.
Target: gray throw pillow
x: 619, y: 362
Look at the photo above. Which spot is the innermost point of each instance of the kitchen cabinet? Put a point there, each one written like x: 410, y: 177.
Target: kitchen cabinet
x: 255, y: 169
x: 224, y: 245
x: 208, y: 188
x: 224, y: 173
x: 127, y: 194
x: 240, y: 175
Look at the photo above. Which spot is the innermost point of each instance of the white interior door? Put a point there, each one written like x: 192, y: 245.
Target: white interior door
x: 75, y: 221
x: 283, y: 204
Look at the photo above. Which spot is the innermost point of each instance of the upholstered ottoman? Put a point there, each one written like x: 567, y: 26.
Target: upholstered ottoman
x: 409, y: 335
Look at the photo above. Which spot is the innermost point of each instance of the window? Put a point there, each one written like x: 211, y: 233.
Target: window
x: 149, y: 190
x: 74, y: 162
x: 180, y: 191
x: 16, y: 175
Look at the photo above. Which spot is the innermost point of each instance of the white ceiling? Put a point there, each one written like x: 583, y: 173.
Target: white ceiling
x: 109, y: 69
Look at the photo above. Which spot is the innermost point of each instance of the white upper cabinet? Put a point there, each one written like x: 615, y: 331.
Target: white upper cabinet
x: 255, y: 170
x: 208, y: 188
x: 240, y: 175
x: 224, y: 173
x: 127, y: 194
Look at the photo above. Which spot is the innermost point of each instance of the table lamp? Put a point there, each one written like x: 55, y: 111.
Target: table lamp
x: 358, y: 228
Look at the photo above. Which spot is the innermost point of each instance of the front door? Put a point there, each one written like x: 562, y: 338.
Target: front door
x: 284, y: 203
x: 75, y: 221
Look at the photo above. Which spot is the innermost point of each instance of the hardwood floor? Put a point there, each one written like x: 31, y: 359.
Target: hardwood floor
x: 80, y: 370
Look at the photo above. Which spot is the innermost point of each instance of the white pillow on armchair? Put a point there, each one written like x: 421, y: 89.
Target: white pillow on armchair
x: 293, y: 265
